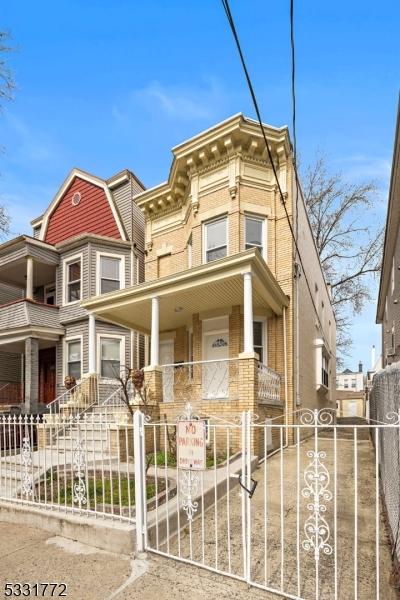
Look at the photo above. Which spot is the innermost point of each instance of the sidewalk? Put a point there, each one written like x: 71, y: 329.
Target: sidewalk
x: 30, y: 555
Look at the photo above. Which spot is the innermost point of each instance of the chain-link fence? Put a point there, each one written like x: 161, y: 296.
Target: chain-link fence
x: 384, y: 407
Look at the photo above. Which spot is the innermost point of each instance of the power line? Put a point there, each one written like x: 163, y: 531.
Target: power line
x: 231, y: 22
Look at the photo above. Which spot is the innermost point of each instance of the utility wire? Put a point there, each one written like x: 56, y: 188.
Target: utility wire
x: 225, y: 4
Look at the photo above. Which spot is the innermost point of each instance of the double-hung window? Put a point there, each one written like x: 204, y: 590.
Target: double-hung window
x: 110, y: 357
x: 258, y: 336
x: 110, y: 274
x: 74, y: 358
x: 215, y: 239
x: 255, y: 233
x: 73, y: 280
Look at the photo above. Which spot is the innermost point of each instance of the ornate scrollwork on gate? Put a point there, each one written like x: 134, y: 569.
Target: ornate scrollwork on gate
x: 324, y: 417
x: 79, y: 464
x: 26, y: 463
x: 189, y: 486
x: 316, y: 528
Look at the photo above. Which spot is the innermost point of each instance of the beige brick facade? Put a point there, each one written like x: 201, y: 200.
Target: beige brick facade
x: 224, y: 172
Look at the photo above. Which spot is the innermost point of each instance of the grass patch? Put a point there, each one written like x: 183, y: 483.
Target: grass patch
x: 114, y: 492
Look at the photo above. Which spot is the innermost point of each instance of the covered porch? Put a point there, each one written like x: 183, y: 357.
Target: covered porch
x: 201, y: 324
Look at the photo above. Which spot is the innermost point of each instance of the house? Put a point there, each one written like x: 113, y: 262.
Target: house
x: 350, y: 393
x: 388, y: 310
x: 353, y: 381
x: 88, y: 241
x: 234, y: 323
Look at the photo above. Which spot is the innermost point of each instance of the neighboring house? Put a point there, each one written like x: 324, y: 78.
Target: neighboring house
x: 350, y: 393
x: 388, y: 311
x: 88, y: 241
x: 351, y: 381
x: 224, y: 301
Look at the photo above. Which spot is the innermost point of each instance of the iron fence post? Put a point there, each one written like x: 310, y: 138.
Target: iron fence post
x: 140, y: 482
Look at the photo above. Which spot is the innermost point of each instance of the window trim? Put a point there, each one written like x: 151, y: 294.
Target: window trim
x: 66, y: 341
x: 67, y: 261
x: 264, y: 232
x: 122, y: 281
x: 264, y: 334
x: 223, y: 217
x: 113, y: 336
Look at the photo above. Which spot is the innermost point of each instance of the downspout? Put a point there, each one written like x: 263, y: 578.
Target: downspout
x: 286, y: 377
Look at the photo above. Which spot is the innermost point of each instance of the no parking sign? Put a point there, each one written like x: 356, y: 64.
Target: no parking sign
x: 191, y: 444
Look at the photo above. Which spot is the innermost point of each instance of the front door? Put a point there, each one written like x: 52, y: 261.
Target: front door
x: 47, y: 375
x: 167, y: 359
x: 216, y: 367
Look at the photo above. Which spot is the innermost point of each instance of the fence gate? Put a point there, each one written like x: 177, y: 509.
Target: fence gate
x: 304, y: 523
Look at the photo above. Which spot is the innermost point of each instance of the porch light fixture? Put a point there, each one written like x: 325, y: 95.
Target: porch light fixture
x: 178, y: 309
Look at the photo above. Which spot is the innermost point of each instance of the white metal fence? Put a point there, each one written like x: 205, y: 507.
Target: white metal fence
x: 72, y: 464
x: 304, y: 523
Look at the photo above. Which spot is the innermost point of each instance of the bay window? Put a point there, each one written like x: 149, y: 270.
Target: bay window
x: 74, y: 358
x: 110, y: 274
x: 110, y: 357
x: 254, y: 233
x: 73, y: 280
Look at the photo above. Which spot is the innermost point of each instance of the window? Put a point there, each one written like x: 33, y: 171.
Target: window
x: 353, y: 383
x: 190, y: 252
x: 73, y: 278
x: 325, y: 375
x: 50, y: 294
x: 110, y: 274
x: 392, y: 275
x: 215, y: 239
x: 346, y: 383
x: 255, y: 233
x: 110, y: 357
x: 258, y: 335
x: 74, y: 358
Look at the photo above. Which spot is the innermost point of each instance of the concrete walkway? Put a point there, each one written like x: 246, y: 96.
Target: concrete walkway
x: 31, y: 555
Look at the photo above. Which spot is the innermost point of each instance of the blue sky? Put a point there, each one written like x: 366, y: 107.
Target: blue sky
x: 112, y: 85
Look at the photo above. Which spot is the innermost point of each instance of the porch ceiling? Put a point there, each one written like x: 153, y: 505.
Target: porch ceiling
x: 14, y: 273
x: 211, y: 286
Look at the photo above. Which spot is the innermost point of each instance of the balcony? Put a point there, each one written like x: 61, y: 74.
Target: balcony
x: 27, y: 317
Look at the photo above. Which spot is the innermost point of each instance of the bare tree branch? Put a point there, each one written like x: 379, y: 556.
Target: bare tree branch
x: 349, y: 249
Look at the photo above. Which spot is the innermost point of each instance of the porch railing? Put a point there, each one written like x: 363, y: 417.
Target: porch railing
x: 269, y: 384
x: 76, y: 400
x: 202, y: 380
x: 11, y: 392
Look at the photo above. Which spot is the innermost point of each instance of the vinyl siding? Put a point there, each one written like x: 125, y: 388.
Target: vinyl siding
x: 10, y: 367
x: 9, y: 293
x: 93, y: 214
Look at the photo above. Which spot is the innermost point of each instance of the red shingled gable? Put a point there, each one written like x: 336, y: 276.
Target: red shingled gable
x: 93, y: 214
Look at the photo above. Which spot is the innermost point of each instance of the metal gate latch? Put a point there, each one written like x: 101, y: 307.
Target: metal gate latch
x: 251, y: 491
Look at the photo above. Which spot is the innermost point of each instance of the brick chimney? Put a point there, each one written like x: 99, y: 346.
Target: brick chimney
x: 360, y: 367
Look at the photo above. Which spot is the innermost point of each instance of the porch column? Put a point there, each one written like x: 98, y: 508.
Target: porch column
x: 92, y: 344
x: 248, y: 313
x: 31, y: 374
x: 29, y: 277
x: 155, y: 334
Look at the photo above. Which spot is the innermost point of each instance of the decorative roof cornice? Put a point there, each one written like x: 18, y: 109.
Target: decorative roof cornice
x: 208, y: 150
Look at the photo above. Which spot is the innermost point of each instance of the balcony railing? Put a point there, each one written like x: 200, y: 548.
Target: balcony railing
x: 76, y: 400
x: 25, y: 313
x: 203, y: 380
x: 269, y: 384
